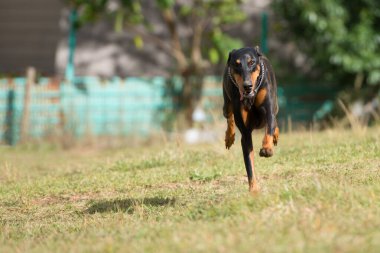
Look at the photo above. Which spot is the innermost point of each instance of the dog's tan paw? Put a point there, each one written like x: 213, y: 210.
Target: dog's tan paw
x: 275, y: 140
x: 254, y: 189
x: 229, y: 139
x: 266, y: 152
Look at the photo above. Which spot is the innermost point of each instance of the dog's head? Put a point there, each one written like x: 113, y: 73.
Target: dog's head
x: 244, y: 67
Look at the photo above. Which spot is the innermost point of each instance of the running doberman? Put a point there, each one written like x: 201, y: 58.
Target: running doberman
x: 250, y: 102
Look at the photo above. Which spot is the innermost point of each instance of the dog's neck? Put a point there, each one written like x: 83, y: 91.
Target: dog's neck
x: 260, y: 78
x: 248, y: 102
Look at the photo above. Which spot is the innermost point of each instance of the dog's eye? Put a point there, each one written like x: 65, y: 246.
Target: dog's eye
x: 250, y: 63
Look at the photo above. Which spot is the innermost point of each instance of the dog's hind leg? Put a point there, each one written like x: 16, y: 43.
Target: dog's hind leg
x: 247, y: 146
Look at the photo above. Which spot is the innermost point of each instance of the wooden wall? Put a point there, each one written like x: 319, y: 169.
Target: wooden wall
x: 29, y: 34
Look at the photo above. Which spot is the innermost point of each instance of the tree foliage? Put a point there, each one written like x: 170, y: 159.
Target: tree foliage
x: 339, y: 35
x: 195, y: 33
x: 342, y: 39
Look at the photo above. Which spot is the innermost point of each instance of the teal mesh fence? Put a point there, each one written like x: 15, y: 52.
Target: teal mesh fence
x: 122, y: 107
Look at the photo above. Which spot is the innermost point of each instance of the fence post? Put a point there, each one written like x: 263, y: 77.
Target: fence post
x: 10, y: 131
x: 30, y: 80
x: 264, y: 33
x: 70, y: 67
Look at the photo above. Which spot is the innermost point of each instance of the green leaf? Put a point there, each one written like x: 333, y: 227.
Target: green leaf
x: 185, y: 10
x: 213, y: 55
x: 139, y: 43
x: 119, y: 21
x: 374, y: 77
x: 165, y: 4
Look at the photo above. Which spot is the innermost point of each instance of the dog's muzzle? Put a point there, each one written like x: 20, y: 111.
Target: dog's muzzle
x: 248, y: 90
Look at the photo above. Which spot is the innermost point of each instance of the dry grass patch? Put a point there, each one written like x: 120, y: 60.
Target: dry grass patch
x: 320, y: 193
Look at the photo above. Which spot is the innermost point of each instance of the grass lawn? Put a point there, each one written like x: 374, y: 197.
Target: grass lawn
x: 320, y: 193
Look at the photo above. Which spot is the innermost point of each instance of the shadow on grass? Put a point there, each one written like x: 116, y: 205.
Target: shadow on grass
x: 128, y: 205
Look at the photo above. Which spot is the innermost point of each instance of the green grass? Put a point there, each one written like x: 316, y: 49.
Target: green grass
x: 320, y: 193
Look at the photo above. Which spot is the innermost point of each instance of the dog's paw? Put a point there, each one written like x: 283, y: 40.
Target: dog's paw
x: 275, y: 140
x: 229, y: 139
x: 266, y: 152
x: 254, y: 188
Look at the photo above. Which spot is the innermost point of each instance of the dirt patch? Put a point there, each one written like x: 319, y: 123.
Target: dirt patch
x: 65, y: 198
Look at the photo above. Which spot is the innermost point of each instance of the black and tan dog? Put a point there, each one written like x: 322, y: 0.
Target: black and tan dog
x: 250, y: 102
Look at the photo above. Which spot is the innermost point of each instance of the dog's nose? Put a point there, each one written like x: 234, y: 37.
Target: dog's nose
x: 248, y: 88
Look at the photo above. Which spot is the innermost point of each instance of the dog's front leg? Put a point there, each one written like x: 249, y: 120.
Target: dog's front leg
x: 228, y: 114
x: 230, y: 132
x: 267, y: 147
x: 247, y: 146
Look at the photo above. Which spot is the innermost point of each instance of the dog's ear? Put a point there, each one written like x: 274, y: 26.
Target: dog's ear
x: 229, y: 55
x: 258, y: 51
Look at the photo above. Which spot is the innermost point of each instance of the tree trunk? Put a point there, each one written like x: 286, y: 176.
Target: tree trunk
x: 190, y: 66
x: 187, y: 102
x: 191, y: 94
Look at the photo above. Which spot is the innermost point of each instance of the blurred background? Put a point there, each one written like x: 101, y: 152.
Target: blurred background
x: 111, y: 72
